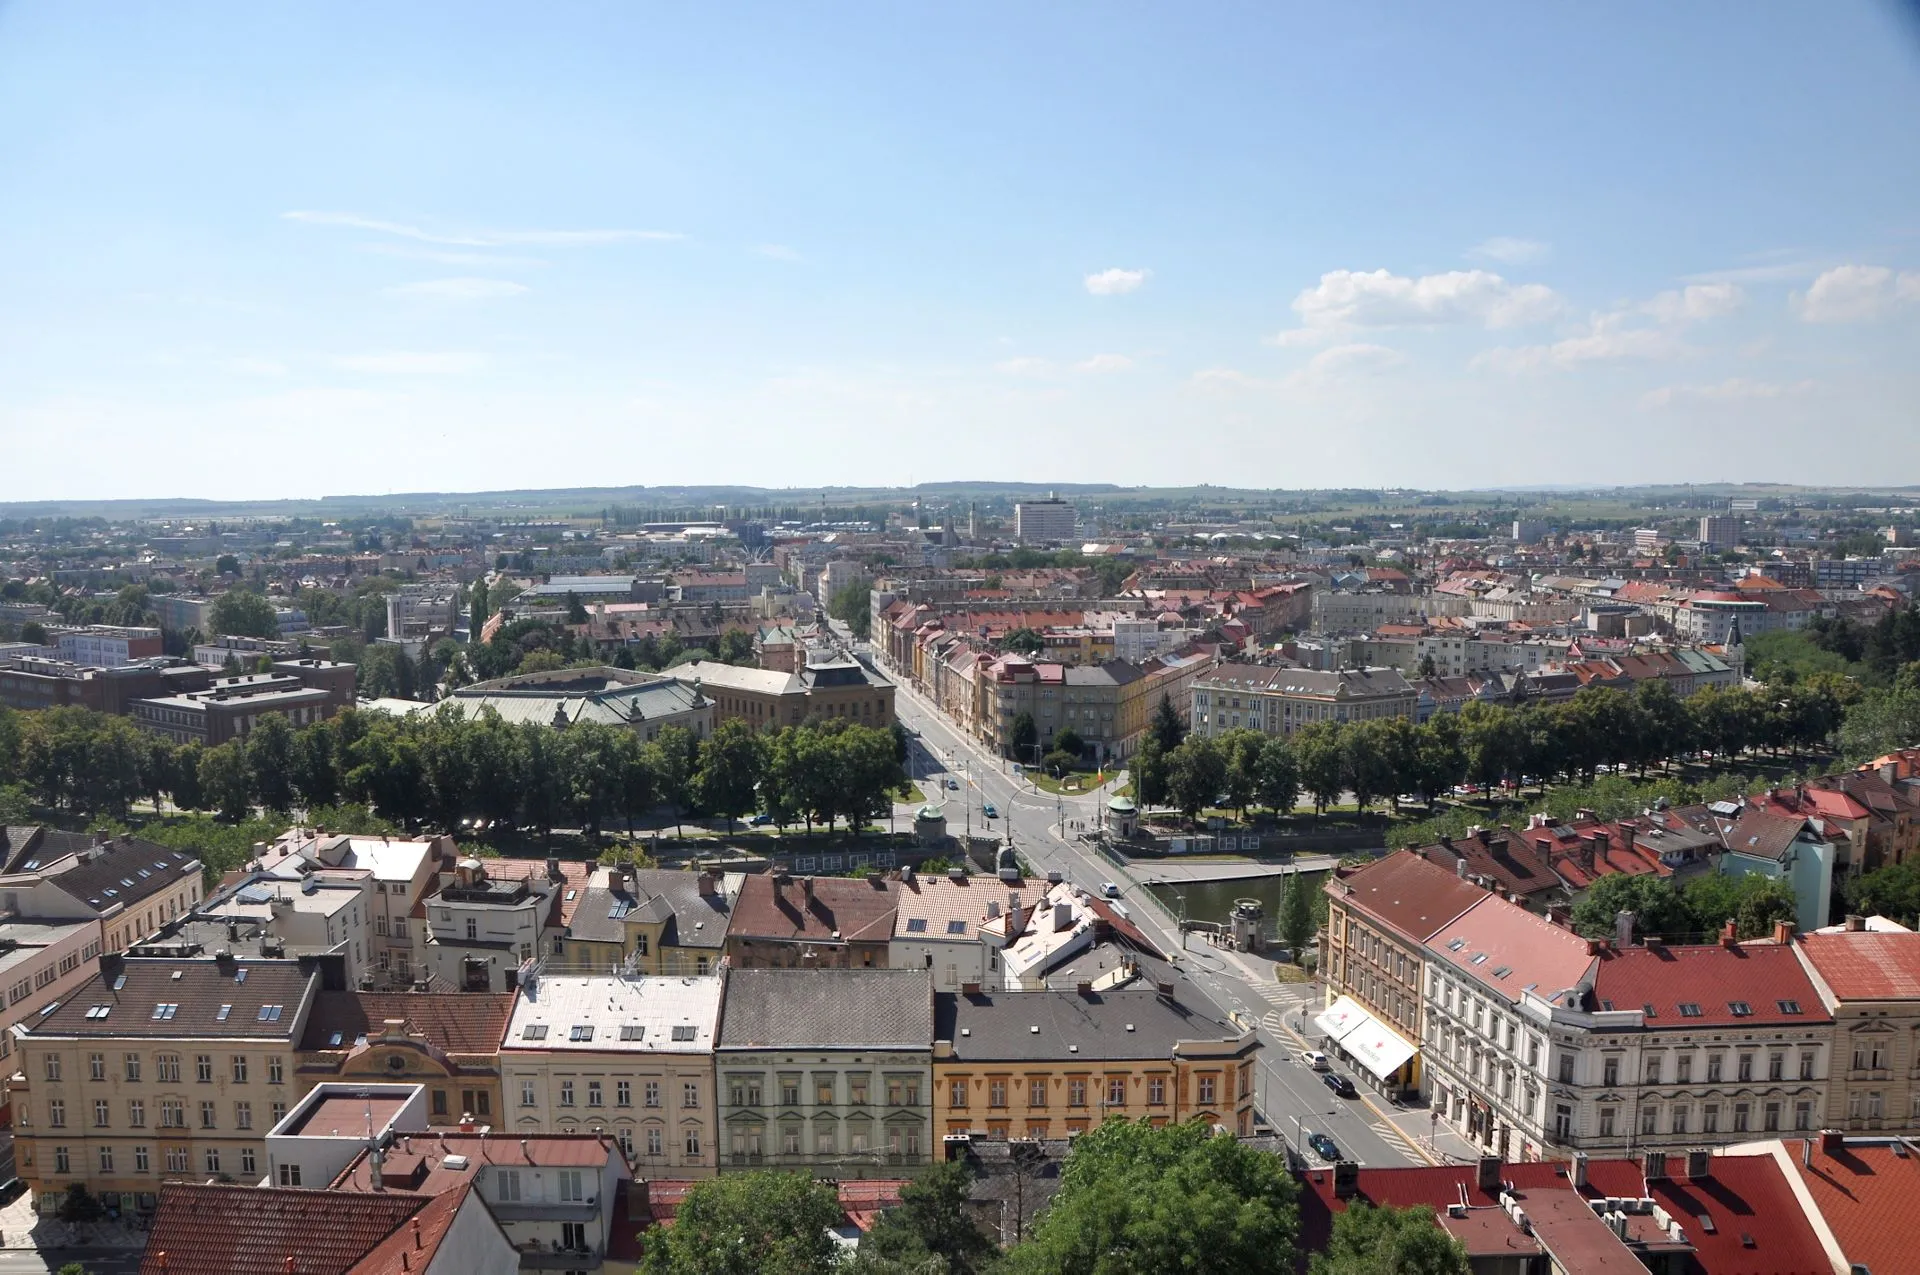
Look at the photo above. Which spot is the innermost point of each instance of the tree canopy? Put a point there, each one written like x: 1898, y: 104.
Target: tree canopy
x: 749, y: 1224
x: 1389, y: 1241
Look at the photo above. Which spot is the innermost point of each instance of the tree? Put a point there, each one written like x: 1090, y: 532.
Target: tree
x: 746, y: 1224
x: 1426, y: 667
x: 1067, y: 739
x: 931, y: 1222
x: 316, y: 771
x: 227, y: 565
x: 1751, y: 901
x: 1059, y: 762
x: 673, y: 757
x: 852, y: 607
x: 1134, y: 1198
x: 1658, y: 909
x: 270, y: 756
x: 1322, y: 762
x: 731, y: 762
x: 1196, y: 773
x: 1296, y: 917
x: 1149, y: 767
x: 1166, y: 726
x: 638, y: 792
x: 1440, y: 758
x: 1023, y: 641
x: 1024, y: 737
x: 385, y: 672
x: 242, y: 613
x: 33, y: 631
x: 1277, y: 783
x: 477, y: 613
x: 1389, y: 1241
x: 1892, y: 891
x: 226, y: 780
x: 1240, y: 750
x: 1492, y: 738
x: 80, y: 1205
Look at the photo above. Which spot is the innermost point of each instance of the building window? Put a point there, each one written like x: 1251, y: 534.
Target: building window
x: 1746, y: 1066
x: 1116, y: 1091
x: 243, y: 1115
x: 1607, y: 1115
x: 623, y: 1093
x: 136, y: 1113
x: 1653, y: 1069
x: 595, y: 1097
x: 1036, y: 1093
x: 140, y: 1163
x: 1157, y: 1091
x: 526, y: 1093
x: 566, y: 1093
x: 106, y: 1159
x: 651, y: 1093
x: 1207, y: 1087
x: 279, y: 1112
x: 133, y: 1068
x: 1683, y: 1069
x: 1680, y: 1117
x: 207, y: 1116
x: 654, y: 1142
x: 1566, y: 1069
x: 690, y: 1099
x: 239, y: 1069
x: 56, y: 1113
x: 203, y: 1068
x: 996, y: 1093
x: 1803, y: 1115
x: 1742, y: 1116
x: 957, y: 1094
x: 692, y: 1144
x: 789, y: 1091
x: 1806, y: 1065
x: 1562, y: 1123
x: 276, y: 1073
x: 289, y: 1175
x: 1776, y: 1066
x: 60, y: 1162
x: 857, y: 1090
x: 213, y: 1159
x: 96, y: 1066
x: 1610, y: 1071
x: 52, y: 1066
x: 1649, y: 1119
x: 99, y: 1113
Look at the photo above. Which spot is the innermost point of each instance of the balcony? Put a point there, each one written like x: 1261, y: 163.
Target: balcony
x: 554, y: 1258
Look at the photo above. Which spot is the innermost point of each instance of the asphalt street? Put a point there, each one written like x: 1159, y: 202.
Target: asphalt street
x: 1290, y: 1095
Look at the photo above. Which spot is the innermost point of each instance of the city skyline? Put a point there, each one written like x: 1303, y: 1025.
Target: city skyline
x: 296, y: 254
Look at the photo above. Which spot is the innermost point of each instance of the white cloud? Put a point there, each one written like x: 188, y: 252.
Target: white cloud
x: 1851, y: 294
x: 1115, y: 281
x: 1344, y: 300
x: 442, y: 257
x: 482, y: 238
x: 1511, y: 251
x: 1344, y: 363
x: 461, y: 289
x: 415, y: 362
x: 1104, y: 363
x: 1730, y: 390
x: 1606, y: 340
x: 1696, y: 301
x: 1025, y: 365
x: 1220, y: 380
x: 777, y: 251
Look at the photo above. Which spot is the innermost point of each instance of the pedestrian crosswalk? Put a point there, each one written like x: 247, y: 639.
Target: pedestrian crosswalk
x: 1395, y: 1138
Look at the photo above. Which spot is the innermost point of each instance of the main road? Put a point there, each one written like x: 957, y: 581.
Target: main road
x: 1045, y: 830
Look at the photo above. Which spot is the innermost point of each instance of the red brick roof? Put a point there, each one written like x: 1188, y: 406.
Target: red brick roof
x: 1866, y: 965
x: 245, y: 1230
x: 1713, y: 980
x: 412, y: 1245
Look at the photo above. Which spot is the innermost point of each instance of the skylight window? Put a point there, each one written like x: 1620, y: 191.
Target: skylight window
x: 916, y: 925
x: 1648, y: 1011
x: 333, y: 1041
x: 1789, y: 1007
x: 534, y: 1031
x: 956, y: 927
x: 684, y: 1031
x: 581, y: 1031
x: 240, y: 975
x: 1689, y: 1009
x: 270, y: 1013
x: 633, y: 1031
x: 1739, y: 1009
x: 99, y: 1011
x: 222, y: 1015
x: 1456, y: 945
x: 165, y: 1009
x: 1479, y: 958
x: 1501, y: 971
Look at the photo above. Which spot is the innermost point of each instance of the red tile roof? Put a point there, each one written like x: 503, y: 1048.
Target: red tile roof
x: 1405, y: 893
x: 774, y: 907
x: 1714, y: 980
x: 1866, y: 965
x: 1865, y: 1191
x: 1511, y: 950
x: 245, y: 1230
x: 412, y: 1246
x: 460, y: 1023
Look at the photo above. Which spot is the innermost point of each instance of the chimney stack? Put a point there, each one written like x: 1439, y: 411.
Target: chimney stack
x: 1729, y: 936
x: 1487, y: 1176
x: 1782, y: 933
x: 1855, y: 923
x: 1623, y: 929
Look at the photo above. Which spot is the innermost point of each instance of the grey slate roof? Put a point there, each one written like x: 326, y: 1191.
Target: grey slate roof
x: 124, y: 872
x: 827, y: 1009
x: 656, y: 894
x: 999, y: 1027
x: 185, y: 999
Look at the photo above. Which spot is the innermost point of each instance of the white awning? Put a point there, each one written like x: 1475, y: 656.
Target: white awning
x: 1339, y: 1018
x: 1380, y: 1050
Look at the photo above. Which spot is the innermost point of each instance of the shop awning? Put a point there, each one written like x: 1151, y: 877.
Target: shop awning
x: 1339, y: 1018
x: 1380, y: 1049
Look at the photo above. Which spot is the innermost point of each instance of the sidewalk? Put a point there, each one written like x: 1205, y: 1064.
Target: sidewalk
x: 21, y: 1228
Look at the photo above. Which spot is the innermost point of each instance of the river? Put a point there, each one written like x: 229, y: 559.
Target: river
x: 1213, y: 900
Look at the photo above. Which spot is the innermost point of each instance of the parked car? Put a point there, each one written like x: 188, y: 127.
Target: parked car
x: 1340, y: 1085
x: 953, y: 785
x: 1324, y: 1147
x: 1314, y: 1059
x: 761, y: 820
x: 989, y: 811
x: 1109, y: 889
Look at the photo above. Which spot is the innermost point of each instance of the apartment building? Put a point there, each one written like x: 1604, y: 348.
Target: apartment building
x: 1869, y: 981
x: 632, y: 1057
x: 41, y: 961
x: 490, y: 917
x: 132, y: 887
x: 826, y: 1071
x: 232, y: 707
x: 785, y: 921
x: 105, y: 645
x: 1049, y: 521
x: 1053, y: 1064
x: 767, y: 699
x: 1373, y: 954
x: 1280, y: 701
x: 403, y: 870
x: 1108, y: 705
x: 447, y: 1043
x: 158, y: 1069
x: 649, y: 921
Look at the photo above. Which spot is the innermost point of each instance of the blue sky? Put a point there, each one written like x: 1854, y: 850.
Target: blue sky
x: 297, y: 251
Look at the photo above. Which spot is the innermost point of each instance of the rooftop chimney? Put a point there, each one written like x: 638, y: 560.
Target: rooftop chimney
x: 1855, y: 923
x: 1699, y: 1164
x: 1729, y: 935
x: 1580, y: 1170
x: 705, y: 883
x: 1487, y: 1176
x: 1654, y: 1167
x: 1062, y: 916
x: 1782, y: 933
x: 1623, y: 928
x: 376, y: 1162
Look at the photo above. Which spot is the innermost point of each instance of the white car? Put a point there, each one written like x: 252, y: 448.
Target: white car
x: 1314, y: 1059
x: 1109, y: 889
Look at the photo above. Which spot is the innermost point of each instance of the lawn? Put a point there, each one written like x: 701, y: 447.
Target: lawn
x: 910, y: 792
x: 1073, y: 784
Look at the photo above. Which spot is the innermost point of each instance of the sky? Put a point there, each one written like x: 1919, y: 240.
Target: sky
x: 302, y: 250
